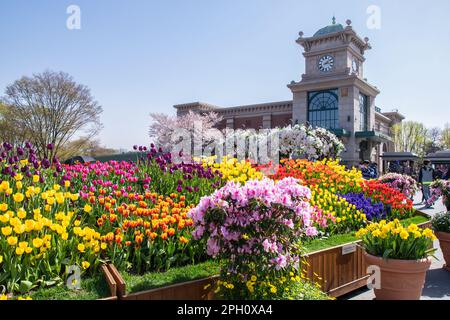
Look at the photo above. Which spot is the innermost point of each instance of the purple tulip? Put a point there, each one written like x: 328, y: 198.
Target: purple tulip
x: 45, y: 163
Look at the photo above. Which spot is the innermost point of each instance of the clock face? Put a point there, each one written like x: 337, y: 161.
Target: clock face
x: 355, y: 66
x: 326, y: 63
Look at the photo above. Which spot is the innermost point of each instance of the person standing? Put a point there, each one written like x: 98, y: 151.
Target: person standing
x: 366, y: 170
x: 426, y: 177
x: 374, y: 167
x: 407, y: 169
x: 447, y: 176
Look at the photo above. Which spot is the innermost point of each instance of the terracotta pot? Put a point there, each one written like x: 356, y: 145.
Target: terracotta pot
x: 400, y: 279
x: 444, y: 242
x: 446, y: 201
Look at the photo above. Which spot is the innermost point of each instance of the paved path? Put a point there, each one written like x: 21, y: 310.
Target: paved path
x: 437, y: 283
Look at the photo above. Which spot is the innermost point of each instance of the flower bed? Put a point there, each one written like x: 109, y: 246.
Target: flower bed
x: 155, y: 215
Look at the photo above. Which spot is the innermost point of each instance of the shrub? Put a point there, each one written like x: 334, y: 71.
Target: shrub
x: 254, y: 229
x: 441, y: 222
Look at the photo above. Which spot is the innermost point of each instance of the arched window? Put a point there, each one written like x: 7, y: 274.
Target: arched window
x: 323, y: 109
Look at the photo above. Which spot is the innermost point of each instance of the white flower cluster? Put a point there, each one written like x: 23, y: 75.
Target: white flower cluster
x: 309, y: 143
x: 299, y: 141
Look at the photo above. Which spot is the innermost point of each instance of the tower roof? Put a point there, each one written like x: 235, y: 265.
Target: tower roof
x: 332, y: 28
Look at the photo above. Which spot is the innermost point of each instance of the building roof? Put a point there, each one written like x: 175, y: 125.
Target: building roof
x: 399, y: 156
x: 440, y: 157
x: 268, y: 107
x: 332, y: 28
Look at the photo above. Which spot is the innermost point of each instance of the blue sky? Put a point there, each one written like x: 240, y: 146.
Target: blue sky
x: 145, y: 56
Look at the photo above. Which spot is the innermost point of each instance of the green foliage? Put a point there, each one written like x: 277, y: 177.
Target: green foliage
x: 91, y: 289
x: 305, y: 290
x: 329, y: 242
x: 441, y: 222
x: 147, y: 281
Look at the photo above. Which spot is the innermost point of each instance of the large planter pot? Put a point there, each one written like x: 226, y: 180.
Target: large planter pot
x: 342, y: 269
x: 400, y: 279
x: 444, y: 242
x: 446, y: 201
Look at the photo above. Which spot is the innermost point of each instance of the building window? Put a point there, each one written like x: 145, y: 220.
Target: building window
x: 323, y: 109
x: 363, y: 114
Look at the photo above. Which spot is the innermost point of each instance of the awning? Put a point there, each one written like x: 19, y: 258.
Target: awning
x: 341, y: 132
x: 373, y: 135
x: 440, y: 157
x: 399, y: 156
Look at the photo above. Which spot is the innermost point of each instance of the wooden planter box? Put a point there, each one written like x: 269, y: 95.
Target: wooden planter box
x: 340, y: 270
x: 112, y: 284
x: 192, y: 290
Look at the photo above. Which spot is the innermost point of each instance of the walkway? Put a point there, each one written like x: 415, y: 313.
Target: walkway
x: 437, y: 283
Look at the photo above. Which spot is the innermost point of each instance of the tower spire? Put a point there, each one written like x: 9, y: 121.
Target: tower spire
x: 334, y: 19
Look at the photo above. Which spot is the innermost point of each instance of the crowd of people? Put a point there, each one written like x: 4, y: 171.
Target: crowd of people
x: 424, y: 175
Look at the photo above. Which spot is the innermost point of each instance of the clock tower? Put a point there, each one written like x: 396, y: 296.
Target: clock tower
x: 333, y: 92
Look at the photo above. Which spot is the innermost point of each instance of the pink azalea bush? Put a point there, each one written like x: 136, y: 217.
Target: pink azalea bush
x: 255, y: 230
x: 403, y: 183
x: 440, y: 188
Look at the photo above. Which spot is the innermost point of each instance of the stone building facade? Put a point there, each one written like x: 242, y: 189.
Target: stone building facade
x: 332, y: 93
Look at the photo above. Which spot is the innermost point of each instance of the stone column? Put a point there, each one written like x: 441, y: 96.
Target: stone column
x: 300, y: 107
x: 230, y: 123
x: 267, y: 121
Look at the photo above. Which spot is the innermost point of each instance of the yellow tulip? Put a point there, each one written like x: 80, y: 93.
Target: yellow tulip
x: 87, y: 208
x: 18, y: 197
x: 19, y: 251
x: 37, y: 243
x: 21, y: 213
x: 3, y: 207
x: 81, y: 247
x: 6, y: 231
x: 4, y: 218
x: 12, y: 241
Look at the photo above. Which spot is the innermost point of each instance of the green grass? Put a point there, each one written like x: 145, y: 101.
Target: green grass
x: 136, y: 283
x: 415, y: 220
x: 91, y: 289
x: 330, y: 242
